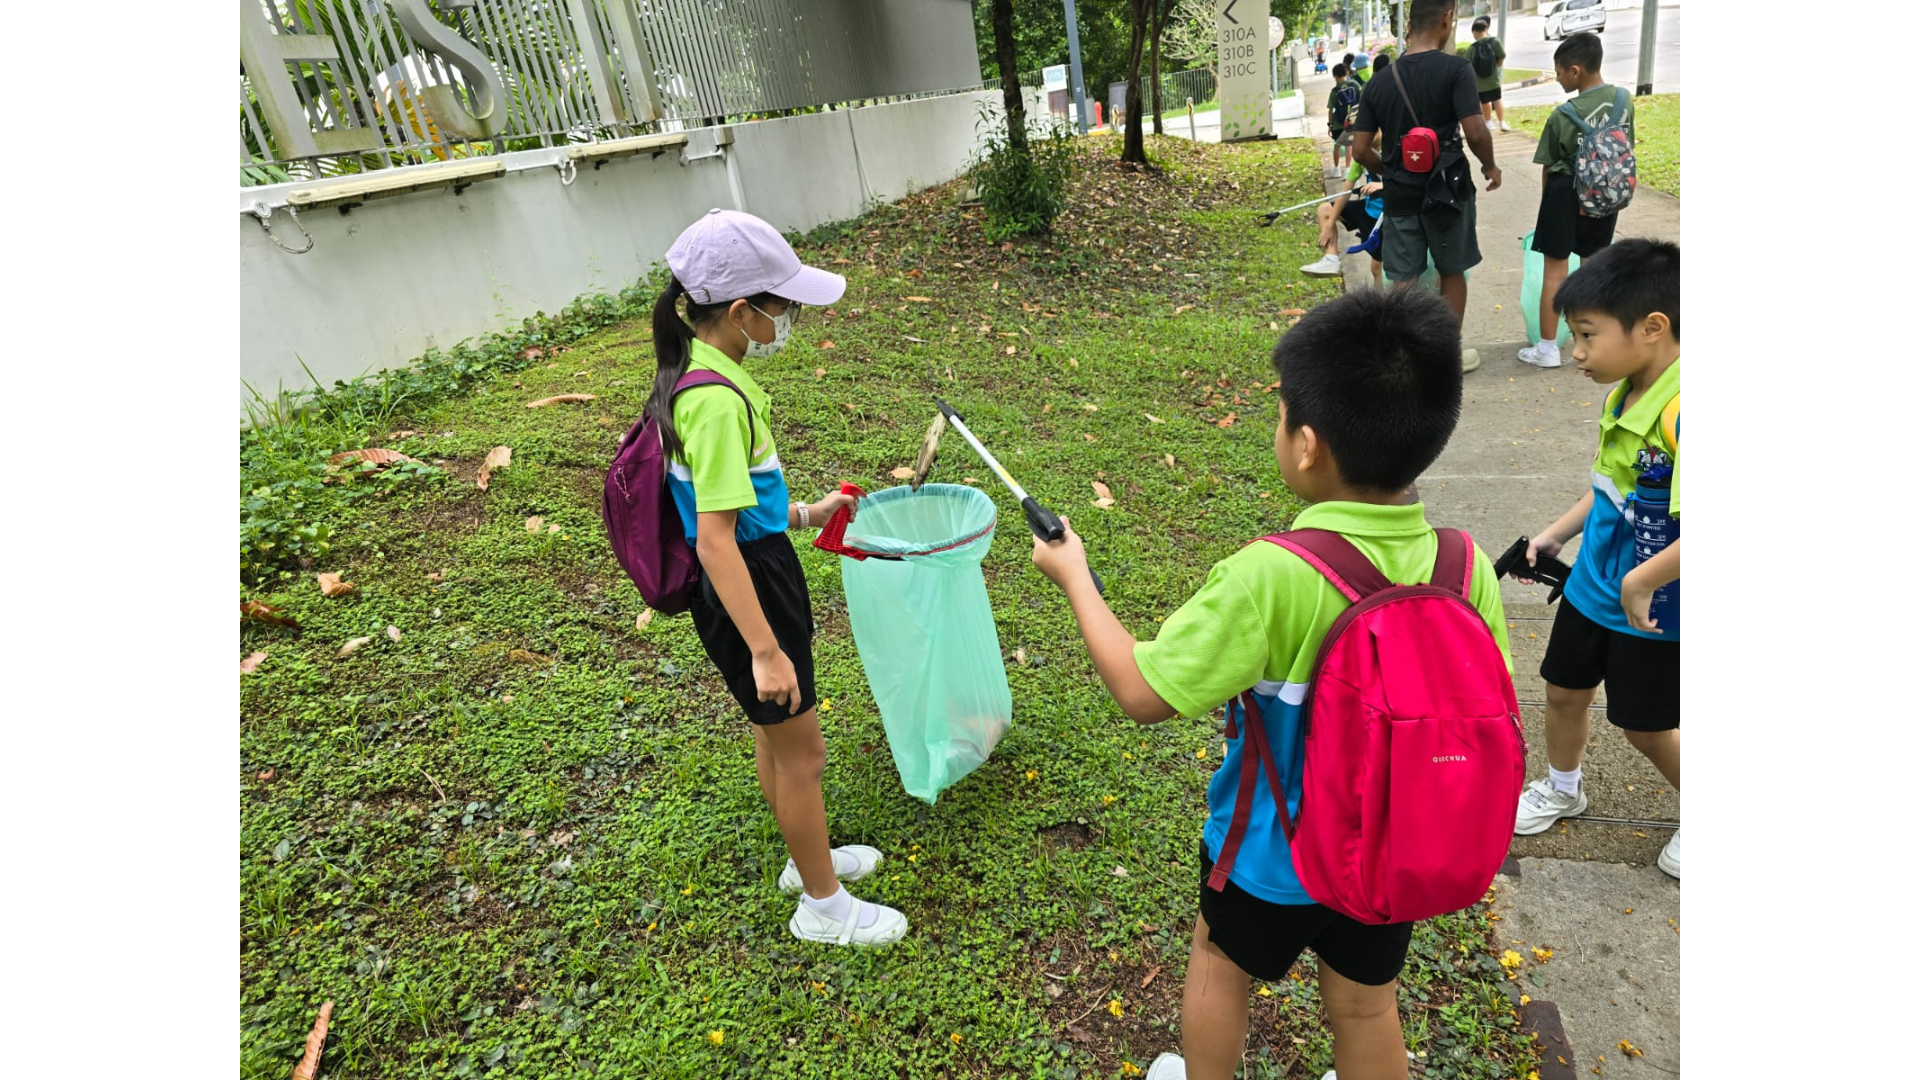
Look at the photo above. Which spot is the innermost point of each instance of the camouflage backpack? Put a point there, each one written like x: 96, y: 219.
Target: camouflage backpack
x: 1604, y: 173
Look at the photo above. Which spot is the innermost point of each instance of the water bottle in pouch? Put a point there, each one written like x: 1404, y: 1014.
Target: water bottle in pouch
x: 1654, y: 527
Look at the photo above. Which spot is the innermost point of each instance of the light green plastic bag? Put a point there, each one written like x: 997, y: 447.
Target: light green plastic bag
x: 1533, y: 271
x: 925, y: 631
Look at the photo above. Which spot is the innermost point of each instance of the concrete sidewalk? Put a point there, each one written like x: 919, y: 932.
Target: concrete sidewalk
x: 1518, y: 460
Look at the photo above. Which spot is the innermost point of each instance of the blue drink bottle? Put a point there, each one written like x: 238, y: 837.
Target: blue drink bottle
x: 1654, y: 527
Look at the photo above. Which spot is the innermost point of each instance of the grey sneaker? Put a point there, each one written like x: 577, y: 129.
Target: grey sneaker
x: 1544, y: 355
x: 1670, y: 856
x: 1541, y: 806
x: 1469, y: 359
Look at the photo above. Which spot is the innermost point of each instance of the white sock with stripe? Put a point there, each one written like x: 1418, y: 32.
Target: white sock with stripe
x: 1567, y: 783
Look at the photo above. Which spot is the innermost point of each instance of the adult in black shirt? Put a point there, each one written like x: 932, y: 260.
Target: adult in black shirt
x: 1446, y: 98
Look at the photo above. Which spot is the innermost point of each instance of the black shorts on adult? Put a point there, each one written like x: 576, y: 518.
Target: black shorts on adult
x: 1264, y: 938
x: 1642, y: 675
x: 782, y: 588
x: 1488, y: 97
x: 1561, y: 229
x: 1355, y: 217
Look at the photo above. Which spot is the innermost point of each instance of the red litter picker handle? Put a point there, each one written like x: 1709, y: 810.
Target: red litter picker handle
x: 833, y: 534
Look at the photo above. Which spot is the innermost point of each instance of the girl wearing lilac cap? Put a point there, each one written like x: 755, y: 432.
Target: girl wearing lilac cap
x: 744, y: 289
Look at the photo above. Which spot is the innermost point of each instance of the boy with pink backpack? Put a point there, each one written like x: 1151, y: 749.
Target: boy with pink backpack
x: 1362, y: 659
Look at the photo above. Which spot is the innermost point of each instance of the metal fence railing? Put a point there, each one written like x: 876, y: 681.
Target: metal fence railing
x: 330, y: 87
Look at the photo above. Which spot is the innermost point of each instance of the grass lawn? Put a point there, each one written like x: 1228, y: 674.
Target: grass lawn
x: 1656, y: 122
x: 515, y: 834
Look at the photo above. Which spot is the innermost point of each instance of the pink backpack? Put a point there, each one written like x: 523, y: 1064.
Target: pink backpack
x: 1414, y: 755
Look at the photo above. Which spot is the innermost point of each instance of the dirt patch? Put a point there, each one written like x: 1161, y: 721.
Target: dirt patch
x: 1066, y: 836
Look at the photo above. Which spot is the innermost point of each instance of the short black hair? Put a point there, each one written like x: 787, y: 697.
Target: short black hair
x: 1339, y: 71
x: 1347, y: 59
x: 1377, y: 376
x: 1629, y: 281
x: 1422, y: 14
x: 1380, y: 62
x: 1480, y: 24
x: 1582, y: 49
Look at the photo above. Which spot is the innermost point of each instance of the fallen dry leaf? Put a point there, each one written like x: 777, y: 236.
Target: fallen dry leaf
x: 434, y: 577
x: 553, y: 528
x: 393, y: 632
x: 331, y: 585
x: 1182, y: 309
x: 1089, y: 436
x: 497, y: 458
x: 904, y: 472
x: 1012, y: 349
x: 1169, y: 460
x: 376, y: 455
x: 1227, y: 421
x: 256, y: 611
x: 309, y: 1066
x: 1628, y: 1048
x: 560, y: 399
x: 824, y: 345
x: 252, y: 661
x: 349, y: 647
x: 534, y: 524
x: 1020, y: 657
x: 1153, y: 419
x: 1293, y: 311
x: 268, y: 775
x: 1119, y: 871
x: 1090, y: 406
x: 1102, y: 490
x: 1047, y: 408
x: 818, y: 372
x: 532, y: 352
x: 641, y: 622
x: 918, y: 299
x: 398, y: 435
x: 525, y: 656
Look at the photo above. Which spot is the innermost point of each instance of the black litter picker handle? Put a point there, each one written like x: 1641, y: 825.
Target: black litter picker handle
x: 1546, y: 570
x: 1046, y: 525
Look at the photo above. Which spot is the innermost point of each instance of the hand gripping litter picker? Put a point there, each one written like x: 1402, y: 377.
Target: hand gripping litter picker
x: 1044, y: 522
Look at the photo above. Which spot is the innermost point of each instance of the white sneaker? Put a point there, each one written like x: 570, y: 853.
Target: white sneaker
x: 1325, y: 266
x: 1167, y: 1067
x: 1469, y: 359
x: 1670, y: 856
x: 850, y: 863
x: 1544, y: 355
x: 808, y: 924
x: 1504, y: 126
x: 1541, y: 806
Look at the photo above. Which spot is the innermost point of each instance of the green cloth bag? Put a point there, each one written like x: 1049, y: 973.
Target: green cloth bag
x: 1533, y: 270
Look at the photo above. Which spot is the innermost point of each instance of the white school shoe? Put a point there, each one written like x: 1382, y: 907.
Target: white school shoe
x: 850, y: 863
x: 1504, y: 126
x: 1167, y: 1067
x: 1469, y: 360
x: 1324, y: 266
x: 810, y: 925
x: 1543, y: 355
x: 1670, y: 856
x: 1541, y: 806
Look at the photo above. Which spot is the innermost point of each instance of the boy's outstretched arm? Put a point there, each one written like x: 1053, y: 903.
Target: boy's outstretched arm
x: 1065, y: 564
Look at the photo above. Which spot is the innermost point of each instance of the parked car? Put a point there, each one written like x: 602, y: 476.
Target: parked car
x: 1572, y: 16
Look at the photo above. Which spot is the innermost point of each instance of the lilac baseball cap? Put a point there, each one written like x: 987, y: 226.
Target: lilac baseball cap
x: 729, y: 255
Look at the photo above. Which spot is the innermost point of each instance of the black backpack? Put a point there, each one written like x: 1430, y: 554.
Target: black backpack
x: 1349, y: 99
x: 1481, y: 53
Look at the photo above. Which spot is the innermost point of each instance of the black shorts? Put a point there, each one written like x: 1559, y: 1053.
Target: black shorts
x: 1488, y: 97
x: 1561, y: 229
x: 782, y: 588
x: 1264, y: 939
x: 1642, y: 676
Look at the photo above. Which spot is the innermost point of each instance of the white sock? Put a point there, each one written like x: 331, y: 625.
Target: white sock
x: 840, y: 905
x: 1567, y: 783
x: 1549, y: 347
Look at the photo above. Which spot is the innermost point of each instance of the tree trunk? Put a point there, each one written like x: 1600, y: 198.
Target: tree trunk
x: 1135, y: 147
x: 1161, y: 10
x: 1010, y: 95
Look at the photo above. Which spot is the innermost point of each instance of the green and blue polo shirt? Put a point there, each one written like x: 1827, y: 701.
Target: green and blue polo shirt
x: 718, y: 470
x: 1631, y: 442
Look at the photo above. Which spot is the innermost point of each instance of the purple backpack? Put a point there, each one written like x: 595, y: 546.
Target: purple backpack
x: 642, y: 523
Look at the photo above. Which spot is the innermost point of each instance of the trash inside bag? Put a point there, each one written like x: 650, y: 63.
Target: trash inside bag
x: 910, y: 563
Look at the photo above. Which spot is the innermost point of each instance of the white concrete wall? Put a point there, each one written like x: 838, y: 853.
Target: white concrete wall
x: 397, y: 276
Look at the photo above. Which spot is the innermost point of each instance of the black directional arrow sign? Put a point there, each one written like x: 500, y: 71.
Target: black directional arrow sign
x: 1228, y: 13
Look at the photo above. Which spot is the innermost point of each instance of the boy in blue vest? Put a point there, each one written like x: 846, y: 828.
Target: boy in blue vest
x: 1370, y: 388
x: 1623, y: 306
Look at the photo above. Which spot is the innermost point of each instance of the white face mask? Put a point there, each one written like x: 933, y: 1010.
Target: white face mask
x: 782, y: 326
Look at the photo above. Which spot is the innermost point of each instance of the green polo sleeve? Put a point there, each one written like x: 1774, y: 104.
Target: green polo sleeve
x: 1485, y: 597
x: 1214, y: 647
x: 1558, y: 140
x: 712, y: 422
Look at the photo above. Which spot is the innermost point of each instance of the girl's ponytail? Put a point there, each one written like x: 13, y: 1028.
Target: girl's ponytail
x: 672, y: 350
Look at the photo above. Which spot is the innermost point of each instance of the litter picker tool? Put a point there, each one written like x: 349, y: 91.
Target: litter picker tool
x: 1545, y: 571
x: 1044, y: 522
x: 1270, y: 216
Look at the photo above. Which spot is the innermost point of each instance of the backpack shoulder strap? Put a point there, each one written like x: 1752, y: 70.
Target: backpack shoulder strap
x: 1453, y: 563
x: 1337, y: 560
x: 703, y: 377
x: 1566, y: 109
x: 1670, y: 424
x: 1620, y: 100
